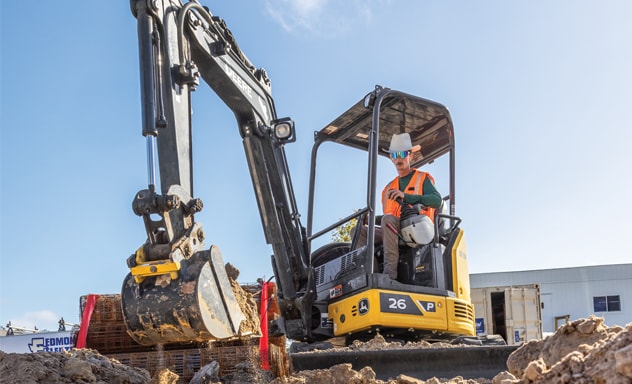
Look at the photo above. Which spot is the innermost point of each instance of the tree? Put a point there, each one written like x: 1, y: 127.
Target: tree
x: 343, y: 232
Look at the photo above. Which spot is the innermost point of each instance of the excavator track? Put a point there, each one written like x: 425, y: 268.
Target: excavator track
x: 469, y: 362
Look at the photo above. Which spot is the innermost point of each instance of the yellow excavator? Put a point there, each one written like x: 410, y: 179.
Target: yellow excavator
x: 178, y: 289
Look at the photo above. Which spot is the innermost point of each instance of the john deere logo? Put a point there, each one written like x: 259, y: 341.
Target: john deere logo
x: 363, y: 306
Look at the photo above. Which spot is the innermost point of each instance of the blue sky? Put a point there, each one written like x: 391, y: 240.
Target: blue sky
x: 539, y: 93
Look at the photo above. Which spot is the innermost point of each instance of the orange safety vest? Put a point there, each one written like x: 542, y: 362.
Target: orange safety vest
x: 415, y: 187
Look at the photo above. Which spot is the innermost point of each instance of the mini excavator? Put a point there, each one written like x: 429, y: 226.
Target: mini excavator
x: 178, y: 289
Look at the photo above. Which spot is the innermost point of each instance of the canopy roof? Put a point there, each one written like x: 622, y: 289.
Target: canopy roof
x: 428, y: 123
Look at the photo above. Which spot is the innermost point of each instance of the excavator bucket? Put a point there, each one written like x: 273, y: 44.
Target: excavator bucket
x: 199, y: 305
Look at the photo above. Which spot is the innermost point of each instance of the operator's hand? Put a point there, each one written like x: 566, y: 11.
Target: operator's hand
x: 393, y: 194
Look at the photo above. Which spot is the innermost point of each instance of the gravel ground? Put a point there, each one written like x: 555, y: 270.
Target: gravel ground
x: 583, y: 351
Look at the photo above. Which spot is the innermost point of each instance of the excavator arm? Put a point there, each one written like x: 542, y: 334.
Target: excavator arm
x: 178, y: 291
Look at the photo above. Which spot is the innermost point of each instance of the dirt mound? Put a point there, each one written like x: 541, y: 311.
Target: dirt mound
x: 378, y: 343
x: 75, y: 366
x: 344, y: 374
x: 583, y: 351
x: 248, y: 306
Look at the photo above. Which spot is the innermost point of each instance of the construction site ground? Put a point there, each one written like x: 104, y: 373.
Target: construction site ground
x: 583, y: 351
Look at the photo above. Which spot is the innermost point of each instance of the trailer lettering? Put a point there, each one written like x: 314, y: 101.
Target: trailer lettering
x: 51, y: 344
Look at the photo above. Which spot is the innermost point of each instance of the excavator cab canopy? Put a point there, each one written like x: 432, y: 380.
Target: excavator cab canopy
x: 380, y: 114
x: 428, y: 123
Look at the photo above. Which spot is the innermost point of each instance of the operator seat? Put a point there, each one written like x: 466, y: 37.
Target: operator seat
x: 417, y: 264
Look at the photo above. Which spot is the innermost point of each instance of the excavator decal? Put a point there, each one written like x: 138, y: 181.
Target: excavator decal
x: 390, y: 302
x: 363, y: 306
x: 427, y: 306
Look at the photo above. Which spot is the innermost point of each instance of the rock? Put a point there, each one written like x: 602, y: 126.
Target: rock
x: 164, y: 376
x: 247, y: 373
x: 207, y: 374
x: 77, y: 369
x: 504, y: 378
x: 534, y: 370
x: 338, y: 374
x: 623, y: 361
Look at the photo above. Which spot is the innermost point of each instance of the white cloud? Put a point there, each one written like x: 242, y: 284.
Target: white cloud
x: 325, y: 18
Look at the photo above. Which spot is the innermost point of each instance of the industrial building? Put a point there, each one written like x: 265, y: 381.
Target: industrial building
x: 568, y: 294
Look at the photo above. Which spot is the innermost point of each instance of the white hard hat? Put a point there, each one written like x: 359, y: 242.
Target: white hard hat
x: 417, y: 230
x: 402, y: 142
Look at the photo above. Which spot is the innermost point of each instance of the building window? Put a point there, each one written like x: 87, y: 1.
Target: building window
x: 607, y: 303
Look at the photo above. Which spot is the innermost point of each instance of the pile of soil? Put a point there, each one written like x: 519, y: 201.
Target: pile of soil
x: 378, y: 343
x: 75, y: 366
x: 344, y: 374
x: 250, y: 325
x: 246, y: 301
x: 583, y: 351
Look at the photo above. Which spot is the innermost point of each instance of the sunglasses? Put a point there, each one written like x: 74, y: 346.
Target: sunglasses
x: 399, y: 155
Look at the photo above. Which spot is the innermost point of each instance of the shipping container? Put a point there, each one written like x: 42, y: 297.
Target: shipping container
x: 513, y: 312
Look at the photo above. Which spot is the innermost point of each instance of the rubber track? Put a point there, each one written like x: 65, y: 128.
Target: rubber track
x: 467, y: 362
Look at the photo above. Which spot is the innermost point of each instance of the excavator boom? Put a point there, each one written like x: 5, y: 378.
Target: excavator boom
x: 178, y: 291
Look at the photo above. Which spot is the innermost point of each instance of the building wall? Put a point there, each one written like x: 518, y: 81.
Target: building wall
x: 571, y: 291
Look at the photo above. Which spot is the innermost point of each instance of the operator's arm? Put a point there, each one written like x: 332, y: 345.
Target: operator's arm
x: 430, y: 198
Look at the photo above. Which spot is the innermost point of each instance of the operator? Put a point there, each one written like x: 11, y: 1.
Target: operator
x: 411, y: 185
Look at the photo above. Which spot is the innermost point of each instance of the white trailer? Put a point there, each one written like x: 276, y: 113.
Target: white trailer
x: 38, y: 342
x: 514, y: 312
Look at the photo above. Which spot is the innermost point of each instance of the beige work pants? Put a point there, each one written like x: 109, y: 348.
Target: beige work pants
x: 387, y: 234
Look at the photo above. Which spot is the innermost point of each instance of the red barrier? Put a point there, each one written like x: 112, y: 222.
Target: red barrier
x: 264, y: 349
x: 85, y: 321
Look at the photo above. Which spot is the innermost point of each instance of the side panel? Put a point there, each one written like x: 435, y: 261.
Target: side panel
x: 460, y: 317
x: 460, y: 271
x: 382, y: 308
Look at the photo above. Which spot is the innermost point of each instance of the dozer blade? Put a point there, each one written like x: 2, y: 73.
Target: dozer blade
x: 199, y: 305
x: 422, y: 363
